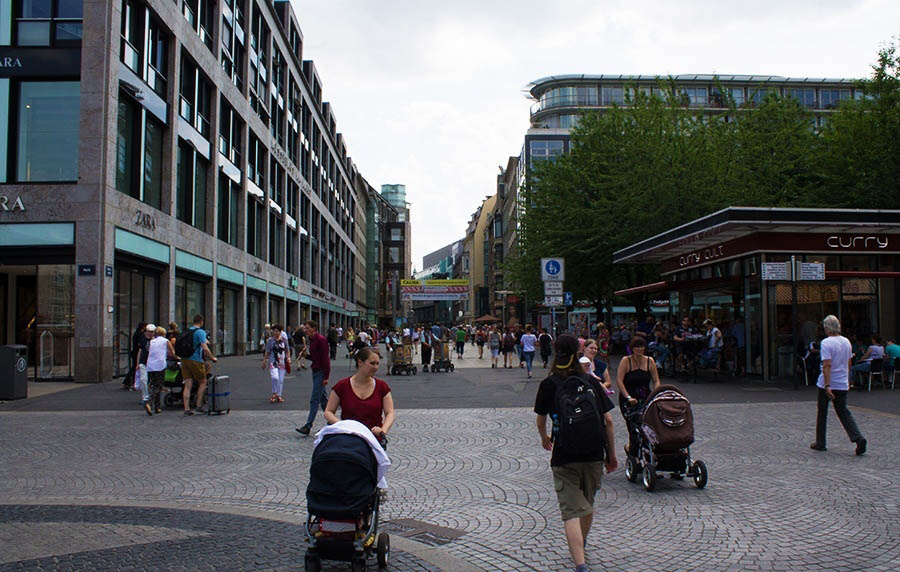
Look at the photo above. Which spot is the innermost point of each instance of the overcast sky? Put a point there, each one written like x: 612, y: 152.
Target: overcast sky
x: 429, y: 93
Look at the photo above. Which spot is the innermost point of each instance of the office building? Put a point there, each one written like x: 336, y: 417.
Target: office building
x: 163, y: 158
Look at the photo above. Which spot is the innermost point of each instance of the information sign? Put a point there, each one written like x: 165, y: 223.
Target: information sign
x: 775, y: 271
x: 553, y: 288
x: 553, y: 301
x: 812, y: 271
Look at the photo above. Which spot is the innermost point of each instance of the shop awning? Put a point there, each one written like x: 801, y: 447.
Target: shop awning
x: 655, y: 287
x: 837, y: 274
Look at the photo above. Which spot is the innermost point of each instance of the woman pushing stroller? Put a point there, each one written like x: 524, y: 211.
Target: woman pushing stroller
x: 363, y: 397
x: 636, y: 377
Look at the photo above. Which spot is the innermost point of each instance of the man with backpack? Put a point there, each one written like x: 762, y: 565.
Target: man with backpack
x: 191, y: 346
x: 581, y: 440
x: 332, y: 342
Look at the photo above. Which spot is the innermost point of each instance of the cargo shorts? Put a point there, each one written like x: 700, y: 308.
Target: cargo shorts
x: 195, y: 370
x: 576, y: 484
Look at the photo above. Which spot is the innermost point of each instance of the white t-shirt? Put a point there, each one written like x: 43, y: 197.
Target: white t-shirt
x: 838, y: 350
x: 875, y: 352
x: 528, y: 341
x: 156, y: 357
x: 715, y: 342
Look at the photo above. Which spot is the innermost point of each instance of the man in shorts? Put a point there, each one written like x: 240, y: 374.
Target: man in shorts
x: 193, y: 369
x: 576, y: 474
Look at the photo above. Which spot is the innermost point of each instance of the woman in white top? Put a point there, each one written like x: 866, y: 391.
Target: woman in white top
x: 160, y: 349
x: 710, y: 356
x: 528, y: 341
x: 875, y: 351
x: 833, y: 385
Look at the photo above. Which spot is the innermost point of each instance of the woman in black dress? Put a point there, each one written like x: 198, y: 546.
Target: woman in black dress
x: 636, y: 377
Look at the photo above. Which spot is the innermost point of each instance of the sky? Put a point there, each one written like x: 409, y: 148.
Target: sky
x: 432, y: 93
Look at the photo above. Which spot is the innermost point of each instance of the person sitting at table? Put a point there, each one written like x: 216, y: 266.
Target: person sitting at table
x: 858, y: 347
x: 680, y: 336
x: 891, y: 356
x: 657, y: 345
x: 864, y: 365
x: 710, y: 356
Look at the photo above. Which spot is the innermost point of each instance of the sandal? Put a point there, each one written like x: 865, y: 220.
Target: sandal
x: 273, y: 398
x: 280, y: 399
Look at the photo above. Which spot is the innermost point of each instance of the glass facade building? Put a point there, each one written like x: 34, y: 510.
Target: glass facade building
x: 147, y: 175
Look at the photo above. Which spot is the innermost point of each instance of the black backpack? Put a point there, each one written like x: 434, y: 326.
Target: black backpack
x: 184, y: 344
x: 581, y: 429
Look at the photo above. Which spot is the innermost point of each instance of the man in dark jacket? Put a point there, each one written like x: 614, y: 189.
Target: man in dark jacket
x: 332, y: 341
x: 321, y: 369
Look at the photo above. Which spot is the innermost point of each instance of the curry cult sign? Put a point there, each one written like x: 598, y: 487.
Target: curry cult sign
x: 793, y: 243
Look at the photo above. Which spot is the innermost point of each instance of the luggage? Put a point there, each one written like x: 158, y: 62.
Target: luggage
x: 219, y: 395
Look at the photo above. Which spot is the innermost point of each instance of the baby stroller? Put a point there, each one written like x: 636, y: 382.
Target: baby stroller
x: 173, y: 382
x: 663, y: 430
x: 343, y: 503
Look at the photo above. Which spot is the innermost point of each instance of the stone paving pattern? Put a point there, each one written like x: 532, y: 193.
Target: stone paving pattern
x: 771, y: 503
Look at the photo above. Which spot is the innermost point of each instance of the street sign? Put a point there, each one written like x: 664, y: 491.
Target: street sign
x: 811, y: 271
x: 553, y: 269
x: 553, y: 301
x: 553, y: 288
x: 569, y: 301
x: 775, y: 271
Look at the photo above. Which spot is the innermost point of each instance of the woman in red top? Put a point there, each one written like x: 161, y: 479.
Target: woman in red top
x: 362, y: 397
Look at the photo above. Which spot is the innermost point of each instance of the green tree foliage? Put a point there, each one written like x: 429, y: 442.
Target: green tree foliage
x: 655, y: 163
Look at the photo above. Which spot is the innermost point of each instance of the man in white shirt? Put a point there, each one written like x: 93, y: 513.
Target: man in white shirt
x: 833, y: 385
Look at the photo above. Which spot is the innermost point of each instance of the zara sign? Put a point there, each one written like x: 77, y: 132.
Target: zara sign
x: 8, y: 204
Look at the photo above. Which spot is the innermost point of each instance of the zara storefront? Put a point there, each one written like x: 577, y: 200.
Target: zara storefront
x: 775, y: 273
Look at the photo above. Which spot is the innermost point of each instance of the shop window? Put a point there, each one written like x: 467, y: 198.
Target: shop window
x: 48, y: 22
x: 190, y: 300
x: 48, y: 117
x: 190, y: 199
x: 226, y: 318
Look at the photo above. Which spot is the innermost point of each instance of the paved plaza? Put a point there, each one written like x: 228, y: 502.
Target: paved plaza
x: 90, y: 482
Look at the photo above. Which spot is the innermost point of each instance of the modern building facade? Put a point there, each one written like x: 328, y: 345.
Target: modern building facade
x: 161, y: 158
x: 752, y: 269
x: 399, y: 251
x: 475, y: 254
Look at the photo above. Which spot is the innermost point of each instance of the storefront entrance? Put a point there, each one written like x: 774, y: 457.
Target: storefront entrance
x: 226, y: 312
x: 255, y: 315
x: 136, y: 301
x: 38, y: 312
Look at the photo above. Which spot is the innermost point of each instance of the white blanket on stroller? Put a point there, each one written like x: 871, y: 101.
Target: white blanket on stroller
x: 356, y: 428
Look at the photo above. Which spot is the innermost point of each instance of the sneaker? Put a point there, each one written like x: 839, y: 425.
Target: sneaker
x: 303, y: 430
x: 817, y: 447
x: 861, y: 447
x: 188, y: 412
x: 158, y: 411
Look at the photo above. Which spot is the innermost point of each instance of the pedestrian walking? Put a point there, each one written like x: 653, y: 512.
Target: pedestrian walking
x: 636, y: 378
x: 546, y: 343
x: 581, y: 438
x: 191, y: 346
x: 160, y: 349
x: 363, y: 397
x: 509, y: 346
x: 128, y: 382
x: 140, y: 362
x: 460, y: 341
x: 834, y: 384
x: 427, y: 343
x: 300, y: 345
x: 528, y: 342
x: 276, y: 360
x: 480, y: 338
x: 332, y: 336
x: 518, y: 333
x: 494, y: 342
x: 596, y: 367
x: 321, y: 368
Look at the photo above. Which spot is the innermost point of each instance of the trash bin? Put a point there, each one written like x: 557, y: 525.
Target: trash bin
x: 13, y: 372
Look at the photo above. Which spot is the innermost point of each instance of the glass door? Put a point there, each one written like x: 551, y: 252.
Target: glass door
x: 226, y: 311
x: 136, y: 300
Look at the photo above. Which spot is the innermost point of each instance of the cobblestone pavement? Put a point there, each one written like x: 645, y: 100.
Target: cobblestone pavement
x: 468, y: 485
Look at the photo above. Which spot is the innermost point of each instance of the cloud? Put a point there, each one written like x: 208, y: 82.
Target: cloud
x: 429, y: 93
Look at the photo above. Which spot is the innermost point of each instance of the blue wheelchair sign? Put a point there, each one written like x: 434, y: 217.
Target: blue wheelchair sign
x: 568, y: 299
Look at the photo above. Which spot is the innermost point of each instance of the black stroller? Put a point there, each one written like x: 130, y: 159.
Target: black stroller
x: 342, y: 499
x: 663, y: 430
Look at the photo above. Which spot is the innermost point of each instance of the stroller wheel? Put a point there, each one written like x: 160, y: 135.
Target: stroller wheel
x: 451, y: 367
x: 359, y: 564
x: 649, y: 478
x: 632, y: 469
x: 383, y: 550
x: 169, y: 400
x: 425, y: 368
x: 312, y: 562
x: 700, y: 474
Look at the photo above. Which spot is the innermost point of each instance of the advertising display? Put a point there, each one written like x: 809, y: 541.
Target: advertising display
x: 434, y: 290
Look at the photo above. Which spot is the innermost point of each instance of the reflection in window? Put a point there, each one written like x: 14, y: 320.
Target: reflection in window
x: 48, y: 131
x: 48, y: 23
x: 139, y: 169
x: 227, y: 210
x: 190, y: 200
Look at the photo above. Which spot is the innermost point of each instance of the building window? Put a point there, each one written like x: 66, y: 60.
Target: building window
x: 831, y: 97
x: 145, y: 46
x: 394, y: 255
x: 612, y: 95
x: 276, y: 241
x: 139, y: 153
x: 190, y: 199
x: 256, y: 226
x: 195, y: 95
x: 805, y: 96
x: 695, y: 96
x: 758, y: 94
x: 543, y: 150
x: 498, y: 227
x: 190, y: 300
x: 276, y: 182
x: 230, y: 132
x: 233, y: 41
x: 200, y: 14
x: 290, y: 255
x: 256, y: 162
x: 48, y: 116
x: 48, y: 22
x: 227, y: 210
x: 396, y: 234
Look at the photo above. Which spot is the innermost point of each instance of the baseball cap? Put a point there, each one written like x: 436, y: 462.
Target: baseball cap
x: 150, y: 328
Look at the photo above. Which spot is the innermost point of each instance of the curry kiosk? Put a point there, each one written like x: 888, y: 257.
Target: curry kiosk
x: 772, y: 274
